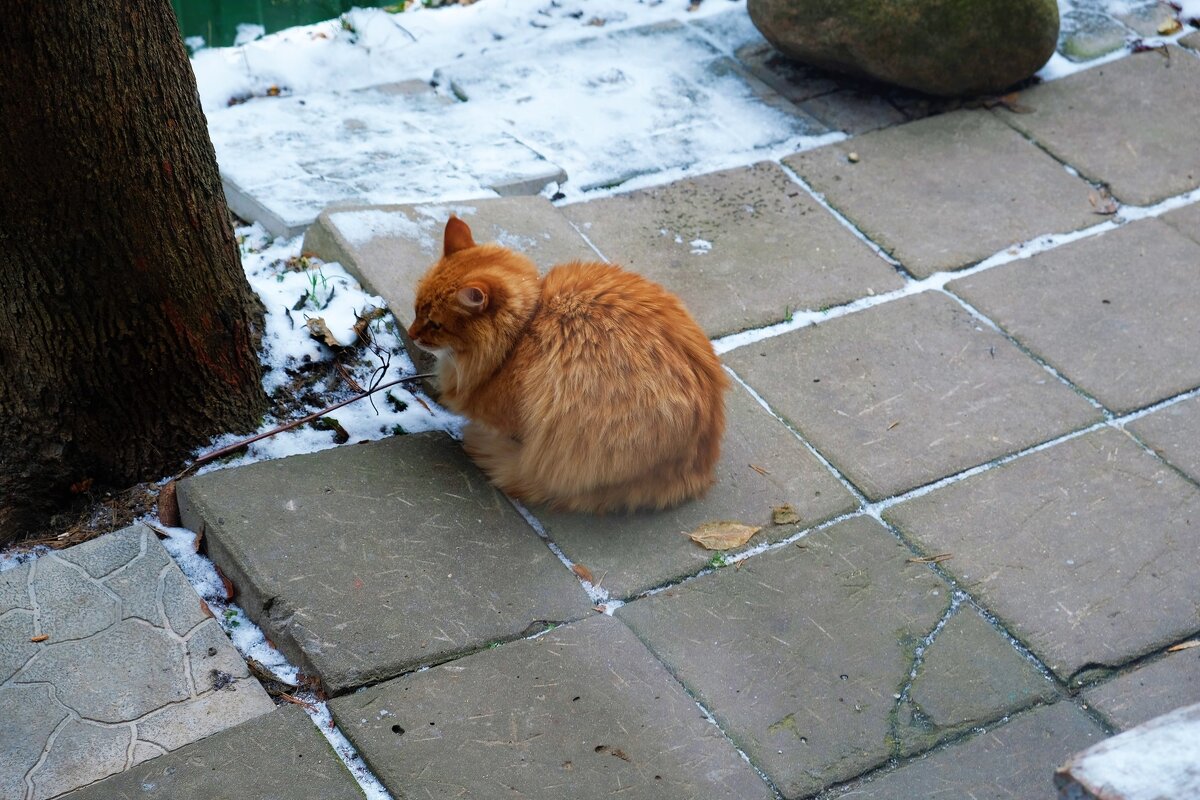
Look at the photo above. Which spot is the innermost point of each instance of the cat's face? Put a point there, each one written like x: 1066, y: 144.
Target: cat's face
x: 454, y: 295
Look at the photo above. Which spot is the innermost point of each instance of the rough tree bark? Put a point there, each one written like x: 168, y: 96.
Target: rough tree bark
x: 128, y: 332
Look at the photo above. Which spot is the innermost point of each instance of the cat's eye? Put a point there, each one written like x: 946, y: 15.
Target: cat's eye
x: 433, y: 325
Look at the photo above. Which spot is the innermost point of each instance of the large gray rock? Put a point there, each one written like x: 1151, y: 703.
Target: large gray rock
x: 943, y: 47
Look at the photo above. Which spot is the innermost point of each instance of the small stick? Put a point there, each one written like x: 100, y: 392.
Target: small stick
x: 939, y: 558
x: 232, y: 448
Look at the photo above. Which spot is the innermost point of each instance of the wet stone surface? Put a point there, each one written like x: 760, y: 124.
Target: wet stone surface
x: 1118, y: 315
x: 364, y: 561
x: 763, y: 465
x: 743, y: 248
x: 804, y: 655
x: 1046, y: 543
x: 584, y: 712
x: 945, y: 192
x: 122, y: 673
x: 908, y: 392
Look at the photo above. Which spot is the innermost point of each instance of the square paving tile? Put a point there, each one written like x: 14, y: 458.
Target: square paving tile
x: 363, y: 561
x: 1085, y: 550
x: 743, y: 247
x: 630, y: 554
x: 1130, y: 124
x: 1174, y: 433
x: 582, y: 712
x: 277, y: 755
x: 803, y: 655
x: 909, y: 392
x: 1117, y: 314
x: 947, y: 191
x: 1016, y: 760
x: 108, y: 657
x: 1149, y: 691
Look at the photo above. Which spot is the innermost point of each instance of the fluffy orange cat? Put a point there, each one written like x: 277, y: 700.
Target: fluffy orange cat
x: 591, y: 389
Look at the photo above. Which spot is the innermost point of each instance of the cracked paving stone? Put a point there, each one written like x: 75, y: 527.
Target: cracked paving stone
x: 743, y: 248
x: 800, y: 654
x: 629, y: 554
x: 74, y: 704
x: 1149, y: 691
x: 908, y: 392
x: 582, y: 712
x: 276, y: 755
x: 1085, y: 550
x: 365, y: 561
x: 1014, y: 760
x: 1130, y: 124
x: 947, y: 191
x: 1118, y: 315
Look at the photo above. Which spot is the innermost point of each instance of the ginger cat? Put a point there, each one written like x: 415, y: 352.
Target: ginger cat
x: 591, y: 389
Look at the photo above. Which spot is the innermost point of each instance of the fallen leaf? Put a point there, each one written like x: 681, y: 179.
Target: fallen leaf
x: 41, y: 638
x: 939, y: 558
x: 81, y: 486
x: 584, y: 573
x: 204, y: 609
x: 168, y: 506
x: 723, y: 535
x: 1169, y: 26
x: 319, y: 330
x: 225, y: 583
x: 1184, y: 646
x: 363, y: 320
x: 784, y: 515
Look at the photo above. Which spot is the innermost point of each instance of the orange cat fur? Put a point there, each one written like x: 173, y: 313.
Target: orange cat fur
x: 591, y: 389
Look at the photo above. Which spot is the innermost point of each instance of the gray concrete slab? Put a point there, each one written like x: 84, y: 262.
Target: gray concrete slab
x: 743, y: 247
x: 1016, y: 760
x: 1116, y: 314
x: 947, y: 191
x: 1104, y: 123
x: 361, y: 562
x: 276, y: 755
x: 1174, y: 433
x: 804, y: 655
x: 108, y: 657
x: 909, y: 392
x: 1186, y: 220
x: 1084, y: 550
x: 1149, y: 690
x: 581, y: 712
x: 762, y: 465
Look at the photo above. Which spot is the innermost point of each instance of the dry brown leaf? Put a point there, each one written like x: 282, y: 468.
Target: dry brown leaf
x: 319, y: 330
x: 168, y: 506
x: 784, y: 515
x: 584, y: 573
x: 1184, y: 646
x: 1169, y: 26
x: 723, y: 535
x: 41, y: 638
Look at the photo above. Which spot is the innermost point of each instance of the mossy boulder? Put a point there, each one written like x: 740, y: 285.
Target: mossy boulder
x: 941, y: 47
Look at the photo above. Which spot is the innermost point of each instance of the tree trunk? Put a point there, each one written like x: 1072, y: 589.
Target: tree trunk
x: 128, y: 332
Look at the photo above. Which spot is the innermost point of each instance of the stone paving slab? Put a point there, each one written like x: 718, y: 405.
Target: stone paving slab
x: 1148, y: 691
x: 909, y: 392
x: 743, y: 248
x: 1130, y: 124
x: 804, y: 655
x: 1186, y: 220
x: 1174, y: 433
x: 131, y: 665
x: 699, y: 97
x: 633, y: 553
x: 1015, y: 760
x: 1084, y: 550
x: 1118, y: 315
x: 363, y: 561
x: 947, y: 191
x: 277, y: 755
x: 582, y: 712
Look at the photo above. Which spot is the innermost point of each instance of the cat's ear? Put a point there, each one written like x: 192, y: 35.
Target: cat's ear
x: 473, y: 297
x: 458, y: 236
